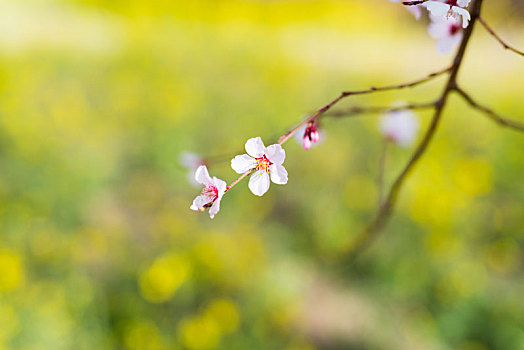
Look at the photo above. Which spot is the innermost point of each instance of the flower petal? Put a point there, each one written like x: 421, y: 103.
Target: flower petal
x: 437, y: 8
x: 278, y: 174
x: 255, y: 147
x: 242, y: 163
x: 276, y: 154
x: 463, y: 3
x: 259, y: 183
x: 221, y: 186
x: 202, y: 175
x: 306, y: 143
x: 465, y: 15
x: 214, y: 208
x: 199, y: 202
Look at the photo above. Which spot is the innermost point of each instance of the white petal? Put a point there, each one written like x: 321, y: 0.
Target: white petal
x: 199, y: 202
x: 276, y: 154
x: 259, y: 183
x: 220, y: 185
x: 400, y: 127
x: 437, y: 8
x: 465, y: 15
x: 242, y: 163
x: 463, y: 3
x: 278, y: 174
x: 214, y: 208
x: 255, y: 147
x: 202, y: 175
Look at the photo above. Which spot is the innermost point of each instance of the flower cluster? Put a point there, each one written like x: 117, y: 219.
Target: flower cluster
x: 447, y: 19
x: 400, y: 127
x: 265, y: 164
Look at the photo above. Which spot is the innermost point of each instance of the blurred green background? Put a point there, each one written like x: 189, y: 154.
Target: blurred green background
x: 98, y: 247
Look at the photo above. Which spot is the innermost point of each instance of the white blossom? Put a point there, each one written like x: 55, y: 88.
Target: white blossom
x: 212, y: 193
x: 266, y: 163
x: 450, y: 8
x: 400, y: 127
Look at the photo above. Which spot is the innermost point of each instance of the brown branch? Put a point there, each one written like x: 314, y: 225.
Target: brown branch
x: 514, y: 124
x: 498, y: 38
x: 386, y: 209
x: 411, y: 3
x: 379, y: 109
x: 345, y: 94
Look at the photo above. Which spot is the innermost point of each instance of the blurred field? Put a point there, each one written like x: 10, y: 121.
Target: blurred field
x: 98, y: 247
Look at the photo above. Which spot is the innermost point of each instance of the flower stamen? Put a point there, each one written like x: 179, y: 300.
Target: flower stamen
x: 263, y: 164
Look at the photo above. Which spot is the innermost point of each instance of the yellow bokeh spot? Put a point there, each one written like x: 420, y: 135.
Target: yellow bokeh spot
x: 160, y: 282
x: 473, y: 176
x: 225, y: 313
x: 360, y: 192
x: 200, y: 333
x: 143, y: 336
x: 443, y: 243
x: 11, y: 271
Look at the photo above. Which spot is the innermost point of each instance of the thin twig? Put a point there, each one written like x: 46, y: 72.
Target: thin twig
x: 514, y: 124
x: 499, y: 39
x: 377, y: 109
x: 344, y: 94
x: 239, y: 179
x: 386, y: 209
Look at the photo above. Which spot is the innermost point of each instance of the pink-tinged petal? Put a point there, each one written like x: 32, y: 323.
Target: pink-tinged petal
x: 278, y: 174
x: 259, y: 183
x: 255, y: 147
x: 202, y: 175
x: 463, y: 3
x: 315, y: 136
x: 220, y: 185
x: 242, y: 163
x: 466, y: 17
x: 276, y: 154
x: 214, y: 208
x: 306, y: 143
x: 199, y: 203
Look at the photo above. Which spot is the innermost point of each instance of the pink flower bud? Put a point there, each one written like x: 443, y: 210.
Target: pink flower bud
x: 311, y: 136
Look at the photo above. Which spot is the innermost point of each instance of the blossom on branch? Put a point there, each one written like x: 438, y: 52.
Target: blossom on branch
x: 400, y: 127
x: 310, y: 135
x: 265, y: 162
x: 211, y: 194
x: 447, y: 31
x: 450, y: 8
